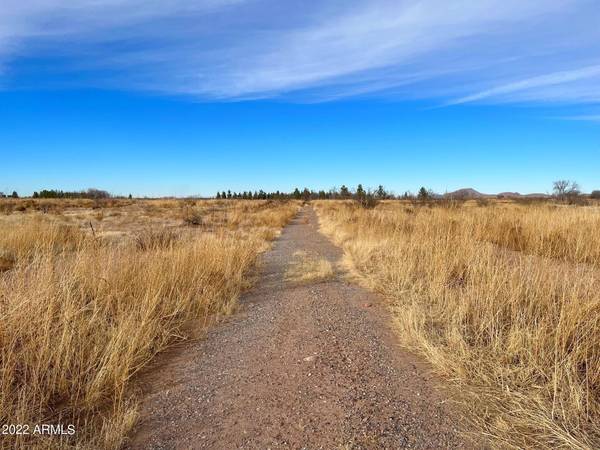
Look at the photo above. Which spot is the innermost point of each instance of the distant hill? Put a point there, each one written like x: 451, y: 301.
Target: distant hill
x: 469, y: 193
x: 466, y: 193
x: 519, y: 195
x: 538, y: 195
x: 509, y: 194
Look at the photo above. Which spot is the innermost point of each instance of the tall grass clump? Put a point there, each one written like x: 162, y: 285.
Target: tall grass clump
x: 565, y: 233
x: 517, y: 327
x: 38, y: 235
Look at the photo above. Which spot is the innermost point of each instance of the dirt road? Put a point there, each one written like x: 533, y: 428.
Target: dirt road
x: 299, y: 366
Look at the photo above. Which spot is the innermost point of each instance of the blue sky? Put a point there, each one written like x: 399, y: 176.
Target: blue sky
x: 190, y: 97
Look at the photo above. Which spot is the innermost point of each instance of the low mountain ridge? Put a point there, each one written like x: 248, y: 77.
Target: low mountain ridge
x: 466, y: 193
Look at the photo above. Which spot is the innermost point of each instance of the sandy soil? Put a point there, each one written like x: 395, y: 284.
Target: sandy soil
x: 313, y: 365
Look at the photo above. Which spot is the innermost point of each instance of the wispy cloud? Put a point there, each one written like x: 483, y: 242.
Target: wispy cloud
x: 539, y: 83
x: 232, y: 49
x: 585, y: 117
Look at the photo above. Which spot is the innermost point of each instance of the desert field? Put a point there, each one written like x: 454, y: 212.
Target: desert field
x: 92, y: 290
x: 503, y: 299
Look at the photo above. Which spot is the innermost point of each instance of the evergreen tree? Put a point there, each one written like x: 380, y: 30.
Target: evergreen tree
x: 423, y: 194
x: 14, y: 194
x: 297, y: 195
x: 344, y: 191
x: 223, y: 195
x: 229, y: 194
x: 360, y: 192
x: 381, y: 192
x: 218, y: 196
x: 306, y: 194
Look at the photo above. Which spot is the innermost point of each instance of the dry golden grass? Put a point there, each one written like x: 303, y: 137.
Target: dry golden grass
x: 504, y: 300
x: 82, y: 311
x: 307, y: 268
x: 561, y: 232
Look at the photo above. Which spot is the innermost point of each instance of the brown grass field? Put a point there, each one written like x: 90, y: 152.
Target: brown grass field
x: 504, y: 301
x: 91, y: 291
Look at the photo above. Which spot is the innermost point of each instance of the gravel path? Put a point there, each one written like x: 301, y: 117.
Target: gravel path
x: 299, y: 366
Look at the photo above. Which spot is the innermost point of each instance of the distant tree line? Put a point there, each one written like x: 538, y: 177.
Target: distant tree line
x: 13, y: 195
x: 366, y: 197
x: 563, y: 190
x: 89, y: 193
x: 308, y: 194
